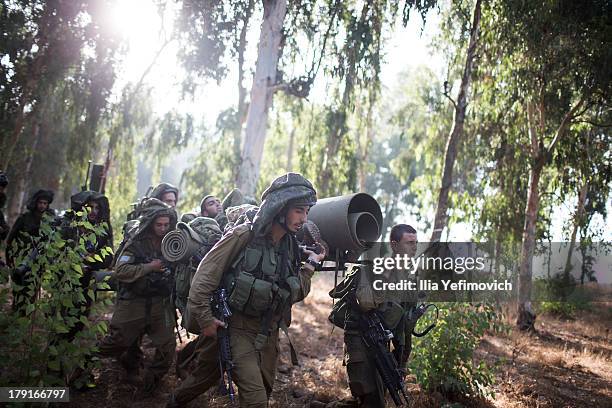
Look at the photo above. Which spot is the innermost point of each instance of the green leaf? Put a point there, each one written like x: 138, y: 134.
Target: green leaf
x: 30, y: 308
x: 54, y: 365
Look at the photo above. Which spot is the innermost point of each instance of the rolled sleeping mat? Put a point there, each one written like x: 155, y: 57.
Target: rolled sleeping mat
x: 348, y: 223
x: 178, y: 246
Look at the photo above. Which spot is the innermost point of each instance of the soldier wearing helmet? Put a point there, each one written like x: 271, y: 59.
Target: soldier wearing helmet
x: 261, y: 266
x: 144, y: 304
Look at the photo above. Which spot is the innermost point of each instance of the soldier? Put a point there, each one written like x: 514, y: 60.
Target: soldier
x: 364, y: 382
x: 144, y: 303
x: 98, y: 214
x: 261, y: 262
x: 211, y: 207
x: 4, y: 228
x: 166, y: 193
x: 21, y: 240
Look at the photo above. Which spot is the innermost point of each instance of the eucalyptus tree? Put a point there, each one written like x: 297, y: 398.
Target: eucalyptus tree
x: 550, y: 65
x: 54, y: 52
x: 456, y: 133
x: 343, y: 39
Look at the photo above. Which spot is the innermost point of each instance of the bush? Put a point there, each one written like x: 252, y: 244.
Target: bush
x: 444, y: 359
x: 562, y: 296
x: 36, y: 349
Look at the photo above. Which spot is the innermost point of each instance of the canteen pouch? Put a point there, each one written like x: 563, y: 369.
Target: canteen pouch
x: 295, y: 288
x: 250, y: 295
x: 241, y: 291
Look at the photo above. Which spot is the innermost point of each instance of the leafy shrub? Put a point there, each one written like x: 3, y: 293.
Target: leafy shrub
x: 444, y: 359
x: 36, y: 350
x: 561, y: 295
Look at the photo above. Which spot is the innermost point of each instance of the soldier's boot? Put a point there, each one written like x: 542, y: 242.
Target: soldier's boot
x: 150, y: 383
x: 132, y: 368
x: 173, y: 403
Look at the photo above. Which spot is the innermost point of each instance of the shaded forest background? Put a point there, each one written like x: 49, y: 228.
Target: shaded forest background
x: 514, y: 134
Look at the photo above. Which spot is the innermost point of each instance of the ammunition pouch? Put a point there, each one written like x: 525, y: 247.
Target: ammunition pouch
x: 250, y: 296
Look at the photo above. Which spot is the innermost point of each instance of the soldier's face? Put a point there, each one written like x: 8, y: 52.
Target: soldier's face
x: 406, y: 246
x: 161, y: 226
x: 42, y: 205
x: 212, y: 207
x: 169, y: 198
x: 297, y: 217
x: 93, y: 211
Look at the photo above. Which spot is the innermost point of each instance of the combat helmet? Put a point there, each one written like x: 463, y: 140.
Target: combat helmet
x: 39, y: 195
x: 290, y: 189
x: 80, y: 199
x: 151, y: 209
x: 163, y: 188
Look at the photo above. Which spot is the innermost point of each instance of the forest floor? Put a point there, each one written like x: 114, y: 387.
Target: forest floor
x: 566, y: 363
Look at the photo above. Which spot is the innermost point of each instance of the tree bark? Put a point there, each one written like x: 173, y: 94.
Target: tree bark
x: 526, y: 316
x: 363, y: 166
x: 577, y: 222
x: 241, y: 109
x: 290, y: 149
x: 440, y: 220
x: 268, y: 54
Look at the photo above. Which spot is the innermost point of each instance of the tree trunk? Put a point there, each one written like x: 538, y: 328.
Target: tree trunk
x: 363, y: 165
x: 577, y: 222
x: 456, y: 133
x: 290, y: 149
x: 268, y: 54
x: 241, y: 109
x: 526, y: 316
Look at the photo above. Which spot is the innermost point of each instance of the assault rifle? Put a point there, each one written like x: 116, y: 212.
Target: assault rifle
x: 376, y: 338
x: 221, y: 311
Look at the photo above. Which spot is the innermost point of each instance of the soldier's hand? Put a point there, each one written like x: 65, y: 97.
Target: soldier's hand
x: 313, y: 255
x: 156, y: 265
x: 211, y: 329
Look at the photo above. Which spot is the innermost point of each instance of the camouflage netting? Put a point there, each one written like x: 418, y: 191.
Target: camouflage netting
x: 291, y: 188
x: 151, y: 209
x: 205, y: 229
x: 39, y: 195
x: 80, y: 199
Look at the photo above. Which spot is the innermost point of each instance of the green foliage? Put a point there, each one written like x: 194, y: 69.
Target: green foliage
x: 36, y: 348
x: 444, y: 359
x: 562, y: 296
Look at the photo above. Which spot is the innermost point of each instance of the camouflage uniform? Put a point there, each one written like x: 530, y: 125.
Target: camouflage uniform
x: 143, y: 304
x: 244, y: 253
x: 134, y: 353
x: 364, y: 382
x: 20, y: 240
x: 104, y: 239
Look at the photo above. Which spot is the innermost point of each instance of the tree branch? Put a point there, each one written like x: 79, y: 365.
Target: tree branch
x: 569, y: 116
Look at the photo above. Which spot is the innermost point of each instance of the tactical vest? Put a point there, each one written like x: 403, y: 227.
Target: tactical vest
x: 263, y: 281
x: 152, y: 284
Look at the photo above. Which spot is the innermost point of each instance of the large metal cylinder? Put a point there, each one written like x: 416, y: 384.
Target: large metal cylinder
x: 348, y: 223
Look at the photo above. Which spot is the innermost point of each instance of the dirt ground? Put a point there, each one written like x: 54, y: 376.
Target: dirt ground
x: 567, y: 363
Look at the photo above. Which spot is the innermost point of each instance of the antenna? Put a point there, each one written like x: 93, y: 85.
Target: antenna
x: 84, y: 186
